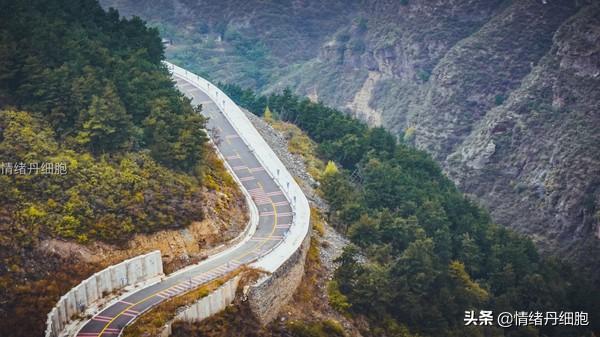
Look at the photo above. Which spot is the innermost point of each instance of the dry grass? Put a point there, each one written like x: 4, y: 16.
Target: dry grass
x: 299, y: 143
x: 215, y: 176
x: 317, y: 222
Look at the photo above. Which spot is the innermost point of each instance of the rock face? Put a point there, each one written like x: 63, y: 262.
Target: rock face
x: 535, y: 159
x: 504, y: 94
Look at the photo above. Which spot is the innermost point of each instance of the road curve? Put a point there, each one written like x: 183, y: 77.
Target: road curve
x: 275, y: 219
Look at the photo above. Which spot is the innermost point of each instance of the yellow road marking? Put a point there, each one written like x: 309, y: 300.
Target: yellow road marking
x: 144, y: 300
x: 275, y: 221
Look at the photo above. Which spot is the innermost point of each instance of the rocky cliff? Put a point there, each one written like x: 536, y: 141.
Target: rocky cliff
x: 535, y: 159
x: 504, y: 94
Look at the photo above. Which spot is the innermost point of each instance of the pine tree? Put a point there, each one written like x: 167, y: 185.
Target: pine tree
x: 105, y: 125
x: 268, y: 115
x: 466, y: 290
x: 331, y: 168
x: 190, y: 144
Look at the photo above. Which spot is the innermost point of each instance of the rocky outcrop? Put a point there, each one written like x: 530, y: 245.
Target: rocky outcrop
x: 360, y: 105
x: 535, y: 160
x: 490, y: 63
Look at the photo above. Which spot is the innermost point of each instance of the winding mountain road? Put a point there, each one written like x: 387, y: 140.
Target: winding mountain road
x: 275, y: 218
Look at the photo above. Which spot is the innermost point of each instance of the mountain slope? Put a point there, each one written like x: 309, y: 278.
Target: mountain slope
x: 541, y: 147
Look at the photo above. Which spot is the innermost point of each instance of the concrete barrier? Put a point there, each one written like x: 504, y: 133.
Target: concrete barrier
x: 215, y: 302
x: 78, y: 299
x: 297, y: 237
x: 207, y: 306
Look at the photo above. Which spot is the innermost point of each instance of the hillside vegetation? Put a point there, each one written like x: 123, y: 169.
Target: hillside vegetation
x: 83, y: 91
x: 423, y: 253
x: 98, y: 100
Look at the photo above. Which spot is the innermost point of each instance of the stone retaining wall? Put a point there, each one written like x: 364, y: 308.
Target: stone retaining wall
x: 273, y: 291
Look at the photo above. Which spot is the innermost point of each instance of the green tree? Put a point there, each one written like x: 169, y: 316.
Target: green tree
x: 105, y: 125
x: 415, y: 275
x: 268, y: 115
x: 176, y: 140
x: 364, y: 231
x: 469, y: 253
x: 468, y: 293
x: 190, y: 145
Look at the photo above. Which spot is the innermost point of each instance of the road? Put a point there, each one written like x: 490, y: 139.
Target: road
x: 275, y: 217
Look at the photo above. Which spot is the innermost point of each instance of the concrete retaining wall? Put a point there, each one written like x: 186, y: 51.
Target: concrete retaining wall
x: 292, y: 250
x: 75, y: 302
x: 218, y: 300
x: 207, y: 306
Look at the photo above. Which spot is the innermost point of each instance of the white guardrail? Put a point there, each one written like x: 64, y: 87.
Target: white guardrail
x: 299, y: 228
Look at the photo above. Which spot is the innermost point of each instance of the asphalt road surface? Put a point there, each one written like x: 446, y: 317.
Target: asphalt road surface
x: 275, y: 217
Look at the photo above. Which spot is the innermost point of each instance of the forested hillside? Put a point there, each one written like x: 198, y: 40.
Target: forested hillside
x: 503, y: 94
x: 422, y: 253
x: 96, y: 146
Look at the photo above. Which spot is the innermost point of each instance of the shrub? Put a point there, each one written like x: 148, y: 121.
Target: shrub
x: 326, y: 328
x: 337, y: 300
x: 423, y: 75
x: 499, y: 99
